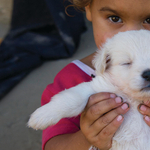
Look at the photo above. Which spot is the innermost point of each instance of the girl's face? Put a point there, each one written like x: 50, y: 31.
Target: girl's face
x: 109, y: 17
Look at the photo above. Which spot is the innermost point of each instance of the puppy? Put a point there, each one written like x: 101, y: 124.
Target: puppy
x: 122, y: 67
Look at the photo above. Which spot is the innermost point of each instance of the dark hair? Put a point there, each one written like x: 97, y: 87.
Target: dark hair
x: 80, y: 4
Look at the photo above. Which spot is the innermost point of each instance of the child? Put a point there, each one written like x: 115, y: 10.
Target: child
x: 103, y: 113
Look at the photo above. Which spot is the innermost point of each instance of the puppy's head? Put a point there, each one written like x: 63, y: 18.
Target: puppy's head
x: 125, y: 61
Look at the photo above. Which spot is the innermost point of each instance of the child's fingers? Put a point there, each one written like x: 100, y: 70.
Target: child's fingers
x: 106, y: 135
x: 147, y: 120
x: 103, y: 139
x: 95, y: 98
x: 145, y: 110
x: 100, y: 108
x: 106, y: 119
x: 147, y: 103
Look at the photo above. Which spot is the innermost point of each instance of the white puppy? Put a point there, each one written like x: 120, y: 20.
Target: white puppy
x: 122, y: 67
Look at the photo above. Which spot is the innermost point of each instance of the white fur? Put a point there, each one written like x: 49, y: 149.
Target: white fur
x: 129, y: 55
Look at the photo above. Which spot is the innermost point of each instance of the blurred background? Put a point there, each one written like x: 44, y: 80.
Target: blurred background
x: 5, y: 16
x: 17, y: 105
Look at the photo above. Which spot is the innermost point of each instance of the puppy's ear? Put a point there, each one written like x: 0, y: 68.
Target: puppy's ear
x: 101, y: 61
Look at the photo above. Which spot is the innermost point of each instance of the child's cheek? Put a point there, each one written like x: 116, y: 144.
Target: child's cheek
x: 100, y: 39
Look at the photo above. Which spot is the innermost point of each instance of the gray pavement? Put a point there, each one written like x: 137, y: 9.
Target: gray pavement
x: 24, y: 98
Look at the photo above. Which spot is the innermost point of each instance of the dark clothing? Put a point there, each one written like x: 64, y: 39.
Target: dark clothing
x: 40, y: 30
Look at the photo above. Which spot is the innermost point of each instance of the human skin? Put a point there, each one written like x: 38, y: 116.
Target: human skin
x: 102, y: 115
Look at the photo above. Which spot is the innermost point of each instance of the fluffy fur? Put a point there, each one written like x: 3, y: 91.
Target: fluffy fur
x: 121, y: 68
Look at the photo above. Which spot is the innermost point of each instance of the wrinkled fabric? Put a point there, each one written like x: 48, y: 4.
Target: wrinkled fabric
x: 40, y: 31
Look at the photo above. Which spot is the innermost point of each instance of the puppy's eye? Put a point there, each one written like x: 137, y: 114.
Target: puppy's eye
x: 126, y: 64
x: 107, y: 59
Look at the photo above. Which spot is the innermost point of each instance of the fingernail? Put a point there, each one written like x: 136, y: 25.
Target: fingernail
x: 112, y: 95
x: 119, y: 118
x: 118, y: 100
x: 142, y: 108
x: 125, y: 106
x: 147, y: 118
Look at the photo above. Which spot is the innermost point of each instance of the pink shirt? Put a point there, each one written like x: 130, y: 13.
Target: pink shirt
x: 68, y: 77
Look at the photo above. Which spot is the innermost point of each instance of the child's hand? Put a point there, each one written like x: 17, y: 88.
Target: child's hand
x: 101, y: 119
x: 144, y: 109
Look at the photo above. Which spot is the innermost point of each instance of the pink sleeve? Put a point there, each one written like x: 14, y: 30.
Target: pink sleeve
x: 70, y: 76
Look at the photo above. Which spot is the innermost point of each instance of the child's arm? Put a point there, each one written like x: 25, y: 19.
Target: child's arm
x: 144, y: 109
x: 75, y: 141
x: 98, y: 122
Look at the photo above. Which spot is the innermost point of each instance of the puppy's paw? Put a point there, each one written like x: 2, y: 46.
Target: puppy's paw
x: 43, y: 117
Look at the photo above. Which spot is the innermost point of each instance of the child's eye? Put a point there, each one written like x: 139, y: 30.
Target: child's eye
x: 147, y: 21
x: 115, y: 19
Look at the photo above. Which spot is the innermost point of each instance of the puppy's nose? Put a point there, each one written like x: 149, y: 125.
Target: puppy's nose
x: 146, y: 75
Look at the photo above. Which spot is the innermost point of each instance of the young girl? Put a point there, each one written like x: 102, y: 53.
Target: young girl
x: 95, y: 127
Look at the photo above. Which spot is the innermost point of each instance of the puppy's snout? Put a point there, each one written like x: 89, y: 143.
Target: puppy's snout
x: 146, y: 75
